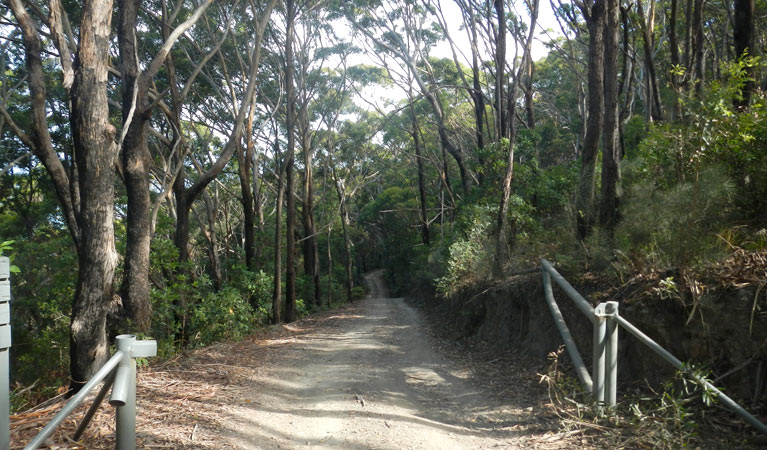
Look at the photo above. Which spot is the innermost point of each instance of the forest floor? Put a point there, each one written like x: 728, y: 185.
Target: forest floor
x: 367, y: 376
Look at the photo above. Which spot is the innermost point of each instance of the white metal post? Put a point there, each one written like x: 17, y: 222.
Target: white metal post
x: 124, y: 394
x: 5, y: 349
x: 611, y: 355
x: 600, y: 333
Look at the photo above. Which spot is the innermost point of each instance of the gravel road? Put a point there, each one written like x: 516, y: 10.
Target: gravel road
x: 368, y: 378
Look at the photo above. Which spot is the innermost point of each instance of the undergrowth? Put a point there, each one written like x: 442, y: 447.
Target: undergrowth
x: 681, y: 413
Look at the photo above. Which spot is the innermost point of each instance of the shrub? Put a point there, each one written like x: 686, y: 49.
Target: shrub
x: 468, y: 258
x: 677, y: 226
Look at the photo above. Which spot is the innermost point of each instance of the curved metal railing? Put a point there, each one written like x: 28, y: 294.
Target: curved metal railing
x: 603, y: 381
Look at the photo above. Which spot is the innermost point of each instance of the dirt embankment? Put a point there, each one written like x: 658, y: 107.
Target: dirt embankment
x: 723, y: 329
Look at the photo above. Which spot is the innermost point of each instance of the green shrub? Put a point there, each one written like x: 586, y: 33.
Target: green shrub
x: 220, y: 316
x: 468, y: 256
x: 677, y: 226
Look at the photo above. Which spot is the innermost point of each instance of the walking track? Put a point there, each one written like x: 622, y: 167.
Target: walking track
x: 369, y: 379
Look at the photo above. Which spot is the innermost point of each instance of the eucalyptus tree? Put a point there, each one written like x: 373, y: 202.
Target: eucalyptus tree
x: 135, y: 156
x: 83, y: 181
x: 401, y: 31
x: 291, y: 11
x: 226, y: 115
x: 526, y: 41
x: 594, y: 14
x: 320, y: 90
x: 611, y: 152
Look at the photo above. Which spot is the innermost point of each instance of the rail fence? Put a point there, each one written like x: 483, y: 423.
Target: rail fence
x: 602, y: 383
x: 118, y: 373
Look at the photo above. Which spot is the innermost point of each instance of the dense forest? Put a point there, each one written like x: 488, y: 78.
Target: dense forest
x: 191, y: 170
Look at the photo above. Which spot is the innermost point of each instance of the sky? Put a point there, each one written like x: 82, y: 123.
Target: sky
x: 546, y: 20
x: 386, y: 97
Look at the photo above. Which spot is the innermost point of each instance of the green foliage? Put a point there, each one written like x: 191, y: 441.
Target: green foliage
x: 677, y: 226
x: 468, y: 259
x: 255, y: 287
x: 220, y: 316
x: 42, y: 299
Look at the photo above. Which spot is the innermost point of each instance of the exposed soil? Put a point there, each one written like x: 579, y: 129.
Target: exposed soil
x: 367, y: 376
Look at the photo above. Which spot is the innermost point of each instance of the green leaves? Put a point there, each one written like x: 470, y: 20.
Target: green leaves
x: 6, y: 246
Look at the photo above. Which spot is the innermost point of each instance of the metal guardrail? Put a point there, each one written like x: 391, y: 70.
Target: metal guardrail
x: 119, y: 372
x: 5, y: 348
x: 602, y: 383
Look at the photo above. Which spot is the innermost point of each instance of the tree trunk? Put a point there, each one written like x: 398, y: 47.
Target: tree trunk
x: 673, y: 42
x: 608, y: 211
x: 529, y: 98
x: 258, y: 208
x: 211, y: 208
x: 244, y: 159
x: 310, y: 247
x: 500, y: 65
x: 654, y: 107
x: 425, y: 235
x: 136, y: 162
x: 277, y: 292
x: 743, y: 36
x: 290, y: 261
x: 697, y: 24
x: 502, y: 238
x: 347, y: 242
x: 93, y: 138
x: 478, y: 95
x: 584, y: 203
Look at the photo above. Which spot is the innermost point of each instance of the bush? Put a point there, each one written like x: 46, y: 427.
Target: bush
x: 677, y: 226
x: 468, y: 258
x: 220, y: 316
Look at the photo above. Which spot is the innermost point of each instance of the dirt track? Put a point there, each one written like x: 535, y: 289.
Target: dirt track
x: 368, y: 378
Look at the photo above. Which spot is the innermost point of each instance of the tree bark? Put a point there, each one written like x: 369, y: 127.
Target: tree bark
x: 673, y: 42
x: 529, y: 94
x: 290, y: 113
x: 584, y: 203
x: 94, y: 149
x: 244, y: 159
x: 310, y: 246
x: 500, y: 65
x: 136, y: 163
x: 610, y: 202
x: 502, y: 238
x: 654, y: 107
x: 277, y: 292
x: 211, y: 208
x: 425, y: 234
x: 697, y: 24
x: 743, y: 37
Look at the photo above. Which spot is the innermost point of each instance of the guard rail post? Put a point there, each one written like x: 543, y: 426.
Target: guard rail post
x: 124, y: 388
x: 5, y: 349
x: 598, y: 371
x: 611, y: 354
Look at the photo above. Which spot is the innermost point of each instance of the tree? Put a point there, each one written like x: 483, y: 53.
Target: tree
x: 502, y: 238
x: 594, y: 14
x: 611, y: 154
x: 85, y: 189
x: 290, y: 122
x: 394, y: 29
x: 743, y: 36
x: 135, y: 156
